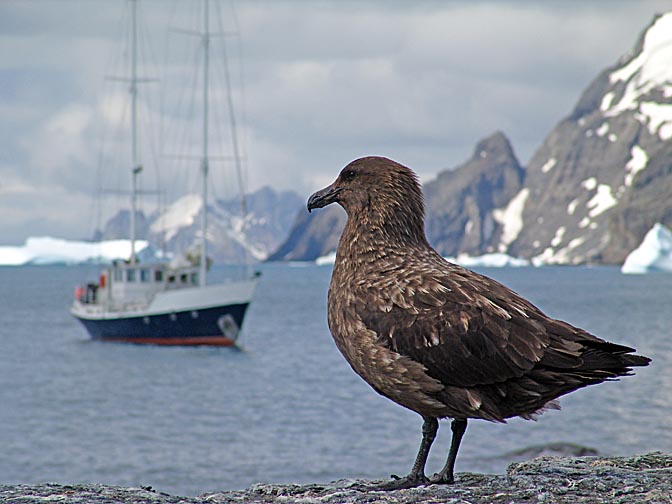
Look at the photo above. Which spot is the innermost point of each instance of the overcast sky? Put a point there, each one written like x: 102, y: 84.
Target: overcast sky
x: 325, y: 82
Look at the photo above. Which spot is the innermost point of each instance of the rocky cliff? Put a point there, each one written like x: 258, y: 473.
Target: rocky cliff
x: 467, y: 206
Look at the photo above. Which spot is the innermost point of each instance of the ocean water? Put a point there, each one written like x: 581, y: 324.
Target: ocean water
x: 286, y: 407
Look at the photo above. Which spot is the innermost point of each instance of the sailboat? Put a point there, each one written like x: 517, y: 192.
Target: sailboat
x: 164, y: 303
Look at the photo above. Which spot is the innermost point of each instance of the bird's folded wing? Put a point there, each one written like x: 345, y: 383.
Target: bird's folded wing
x: 479, y: 335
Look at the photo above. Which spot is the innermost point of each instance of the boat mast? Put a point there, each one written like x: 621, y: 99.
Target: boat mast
x: 133, y: 90
x: 204, y: 160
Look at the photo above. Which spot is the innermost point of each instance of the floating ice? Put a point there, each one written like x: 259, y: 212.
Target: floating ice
x: 326, y: 260
x: 653, y: 255
x: 495, y: 260
x: 47, y: 250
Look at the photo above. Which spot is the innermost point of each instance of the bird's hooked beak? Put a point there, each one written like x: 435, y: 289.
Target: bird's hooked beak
x: 323, y: 197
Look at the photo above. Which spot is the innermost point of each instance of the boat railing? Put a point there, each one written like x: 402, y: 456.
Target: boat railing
x: 132, y: 287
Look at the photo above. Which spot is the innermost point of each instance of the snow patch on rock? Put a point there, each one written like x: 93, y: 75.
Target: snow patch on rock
x: 557, y: 239
x: 589, y: 183
x: 637, y: 163
x: 511, y: 218
x: 571, y: 208
x: 178, y: 215
x: 658, y: 118
x: 548, y: 165
x: 562, y: 256
x: 602, y: 201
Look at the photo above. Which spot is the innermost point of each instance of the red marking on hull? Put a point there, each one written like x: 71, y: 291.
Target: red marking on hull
x: 181, y: 341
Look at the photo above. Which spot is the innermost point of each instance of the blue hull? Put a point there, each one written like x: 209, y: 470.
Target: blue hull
x: 209, y: 326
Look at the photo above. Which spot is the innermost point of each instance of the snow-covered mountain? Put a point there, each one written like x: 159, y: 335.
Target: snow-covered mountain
x: 601, y: 179
x: 231, y: 238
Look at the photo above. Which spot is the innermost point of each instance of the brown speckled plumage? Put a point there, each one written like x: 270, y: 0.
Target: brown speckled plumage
x: 437, y: 338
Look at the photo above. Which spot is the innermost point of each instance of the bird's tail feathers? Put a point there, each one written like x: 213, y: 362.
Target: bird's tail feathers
x: 635, y: 360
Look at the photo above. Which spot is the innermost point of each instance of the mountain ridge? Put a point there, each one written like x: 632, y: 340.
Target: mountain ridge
x: 232, y: 238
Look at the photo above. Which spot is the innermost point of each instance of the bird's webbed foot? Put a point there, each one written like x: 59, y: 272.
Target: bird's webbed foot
x: 442, y: 478
x: 396, y: 483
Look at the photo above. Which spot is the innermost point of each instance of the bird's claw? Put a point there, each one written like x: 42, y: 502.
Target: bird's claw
x: 397, y: 483
x: 442, y: 478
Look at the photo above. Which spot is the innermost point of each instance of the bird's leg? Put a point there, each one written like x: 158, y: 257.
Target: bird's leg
x: 417, y: 475
x: 446, y: 475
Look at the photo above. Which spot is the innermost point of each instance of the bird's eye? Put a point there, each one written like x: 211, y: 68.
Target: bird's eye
x: 349, y: 174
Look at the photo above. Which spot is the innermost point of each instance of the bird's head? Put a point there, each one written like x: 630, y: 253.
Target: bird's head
x: 378, y: 190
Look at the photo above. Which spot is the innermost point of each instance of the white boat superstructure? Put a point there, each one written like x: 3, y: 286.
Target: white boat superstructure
x: 160, y: 302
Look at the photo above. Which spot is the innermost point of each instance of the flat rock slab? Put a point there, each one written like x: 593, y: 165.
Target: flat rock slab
x: 557, y: 480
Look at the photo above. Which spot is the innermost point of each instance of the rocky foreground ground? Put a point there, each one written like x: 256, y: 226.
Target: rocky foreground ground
x: 557, y: 480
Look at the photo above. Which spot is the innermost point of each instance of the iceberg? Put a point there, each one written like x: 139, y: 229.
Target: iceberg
x: 326, y: 260
x: 495, y: 260
x: 47, y: 250
x: 653, y: 255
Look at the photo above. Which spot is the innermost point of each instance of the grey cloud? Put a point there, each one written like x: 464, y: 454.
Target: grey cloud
x: 326, y: 82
